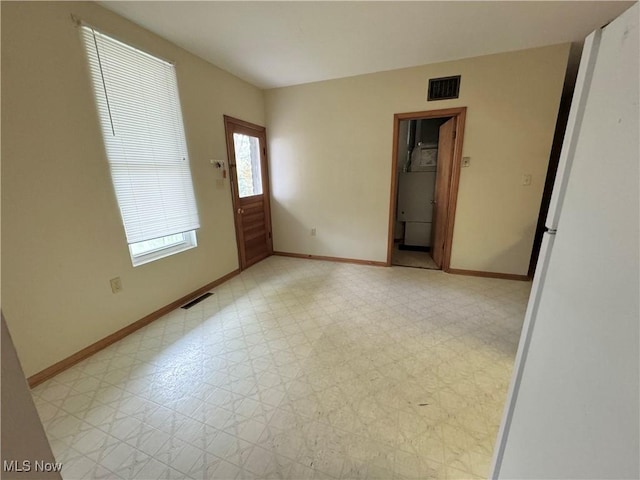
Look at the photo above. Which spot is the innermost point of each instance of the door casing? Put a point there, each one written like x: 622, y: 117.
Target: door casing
x: 459, y: 113
x: 230, y: 124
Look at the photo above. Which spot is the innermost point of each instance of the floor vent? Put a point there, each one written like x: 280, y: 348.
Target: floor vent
x: 444, y: 88
x: 197, y: 300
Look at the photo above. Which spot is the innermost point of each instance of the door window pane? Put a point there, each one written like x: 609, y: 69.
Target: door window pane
x: 247, y: 151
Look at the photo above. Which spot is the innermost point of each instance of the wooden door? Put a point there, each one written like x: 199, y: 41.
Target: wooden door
x: 247, y: 153
x: 446, y: 142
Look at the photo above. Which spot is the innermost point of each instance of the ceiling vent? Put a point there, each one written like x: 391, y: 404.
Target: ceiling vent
x: 444, y: 88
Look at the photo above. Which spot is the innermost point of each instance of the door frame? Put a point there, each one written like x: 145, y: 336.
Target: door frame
x: 459, y: 113
x: 260, y: 132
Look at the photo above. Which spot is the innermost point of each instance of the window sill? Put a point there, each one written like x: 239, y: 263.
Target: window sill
x: 189, y: 243
x: 165, y: 252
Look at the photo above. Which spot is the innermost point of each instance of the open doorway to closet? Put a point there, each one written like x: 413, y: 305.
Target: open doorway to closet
x: 427, y: 153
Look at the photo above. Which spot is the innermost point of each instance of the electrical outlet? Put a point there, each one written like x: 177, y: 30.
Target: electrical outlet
x: 116, y: 285
x: 313, y: 232
x: 526, y: 179
x: 466, y: 161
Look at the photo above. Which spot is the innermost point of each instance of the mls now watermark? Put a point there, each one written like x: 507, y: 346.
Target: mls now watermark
x: 29, y: 466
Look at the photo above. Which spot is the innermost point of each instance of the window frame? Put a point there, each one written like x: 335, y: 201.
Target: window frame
x: 190, y: 240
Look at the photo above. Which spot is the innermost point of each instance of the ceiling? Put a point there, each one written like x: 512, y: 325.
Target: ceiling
x: 276, y: 44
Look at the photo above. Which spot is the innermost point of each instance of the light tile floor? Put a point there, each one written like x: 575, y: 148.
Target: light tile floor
x: 412, y: 258
x: 299, y: 369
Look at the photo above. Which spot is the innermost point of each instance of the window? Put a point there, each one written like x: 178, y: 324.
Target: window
x: 139, y: 110
x: 150, y: 250
x: 247, y: 150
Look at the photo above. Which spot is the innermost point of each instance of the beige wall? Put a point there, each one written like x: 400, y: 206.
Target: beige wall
x: 62, y: 238
x: 330, y: 146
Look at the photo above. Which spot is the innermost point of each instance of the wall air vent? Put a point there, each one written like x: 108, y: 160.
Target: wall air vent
x: 444, y: 88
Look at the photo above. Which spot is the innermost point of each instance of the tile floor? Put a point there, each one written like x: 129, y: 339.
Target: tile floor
x: 412, y: 258
x: 299, y: 369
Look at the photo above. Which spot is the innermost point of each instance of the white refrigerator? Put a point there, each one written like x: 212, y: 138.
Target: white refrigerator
x: 572, y: 410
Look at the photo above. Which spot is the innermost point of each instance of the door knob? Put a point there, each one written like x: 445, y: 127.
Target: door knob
x: 240, y: 210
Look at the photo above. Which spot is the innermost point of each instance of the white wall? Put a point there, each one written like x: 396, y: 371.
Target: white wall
x: 331, y: 145
x: 62, y: 236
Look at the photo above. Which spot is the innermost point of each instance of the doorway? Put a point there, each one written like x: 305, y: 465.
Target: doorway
x: 247, y: 154
x: 427, y: 153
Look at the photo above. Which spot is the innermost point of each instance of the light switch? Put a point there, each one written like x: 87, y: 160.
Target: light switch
x: 526, y: 179
x: 466, y: 161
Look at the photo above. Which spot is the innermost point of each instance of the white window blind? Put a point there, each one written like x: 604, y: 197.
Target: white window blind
x: 139, y: 110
